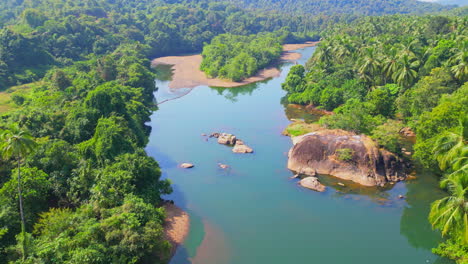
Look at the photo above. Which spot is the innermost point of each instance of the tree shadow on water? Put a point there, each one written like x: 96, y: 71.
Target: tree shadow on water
x: 414, y: 223
x: 232, y: 93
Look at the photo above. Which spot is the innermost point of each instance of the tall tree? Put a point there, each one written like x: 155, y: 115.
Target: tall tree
x: 17, y: 143
x: 406, y: 73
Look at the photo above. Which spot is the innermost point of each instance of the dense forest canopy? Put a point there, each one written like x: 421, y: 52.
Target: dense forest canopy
x: 60, y: 32
x: 362, y: 7
x: 72, y: 142
x: 236, y: 57
x: 380, y: 74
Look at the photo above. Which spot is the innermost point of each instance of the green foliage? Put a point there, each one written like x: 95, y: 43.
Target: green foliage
x: 443, y: 117
x: 426, y: 94
x: 91, y: 119
x: 345, y: 154
x: 453, y: 250
x: 129, y: 233
x: 420, y: 80
x: 382, y: 101
x: 50, y: 32
x: 237, y: 57
x: 353, y: 116
x: 388, y: 136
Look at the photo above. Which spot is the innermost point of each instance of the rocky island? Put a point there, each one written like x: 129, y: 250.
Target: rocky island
x: 345, y: 155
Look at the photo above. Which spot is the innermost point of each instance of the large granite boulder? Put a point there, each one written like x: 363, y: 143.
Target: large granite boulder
x: 345, y: 155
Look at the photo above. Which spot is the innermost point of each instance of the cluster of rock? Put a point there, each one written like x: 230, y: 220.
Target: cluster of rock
x: 318, y: 152
x: 232, y: 140
x: 225, y: 139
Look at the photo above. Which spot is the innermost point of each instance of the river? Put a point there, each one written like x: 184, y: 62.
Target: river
x: 253, y: 212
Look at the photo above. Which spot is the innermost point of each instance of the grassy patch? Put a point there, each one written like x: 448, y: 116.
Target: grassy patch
x: 6, y: 103
x: 299, y: 128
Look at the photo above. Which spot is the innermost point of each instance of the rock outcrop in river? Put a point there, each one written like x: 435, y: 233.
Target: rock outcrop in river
x: 240, y: 147
x: 231, y: 140
x: 347, y: 156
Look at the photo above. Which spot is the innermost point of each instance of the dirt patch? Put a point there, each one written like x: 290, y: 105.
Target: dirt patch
x: 177, y: 225
x: 187, y: 73
x: 291, y: 47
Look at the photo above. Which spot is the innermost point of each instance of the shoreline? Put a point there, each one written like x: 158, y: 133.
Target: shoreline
x: 176, y: 226
x: 187, y: 73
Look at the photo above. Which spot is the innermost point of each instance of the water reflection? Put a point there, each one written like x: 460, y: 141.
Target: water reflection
x: 163, y: 72
x: 307, y: 114
x: 232, y: 93
x: 414, y: 224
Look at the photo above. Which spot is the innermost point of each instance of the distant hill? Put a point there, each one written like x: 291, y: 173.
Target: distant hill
x: 448, y: 2
x: 362, y: 7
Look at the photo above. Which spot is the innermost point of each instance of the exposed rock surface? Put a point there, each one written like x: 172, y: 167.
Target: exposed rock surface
x: 227, y: 139
x: 186, y: 165
x: 367, y: 164
x: 407, y: 132
x: 240, y: 147
x: 312, y: 183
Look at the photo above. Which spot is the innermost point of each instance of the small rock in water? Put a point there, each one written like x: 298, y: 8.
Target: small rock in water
x: 203, y: 135
x: 227, y: 139
x: 215, y: 135
x: 186, y: 165
x: 401, y: 196
x: 313, y: 184
x: 294, y: 176
x: 223, y: 166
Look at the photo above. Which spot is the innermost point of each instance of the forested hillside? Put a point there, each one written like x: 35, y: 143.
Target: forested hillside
x: 56, y: 32
x: 72, y: 139
x: 361, y: 7
x: 380, y: 74
x: 60, y: 32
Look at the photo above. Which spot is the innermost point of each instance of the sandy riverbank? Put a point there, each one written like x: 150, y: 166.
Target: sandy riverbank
x: 177, y: 225
x: 187, y: 73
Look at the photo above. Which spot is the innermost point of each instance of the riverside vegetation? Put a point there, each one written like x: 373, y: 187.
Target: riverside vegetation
x: 238, y: 57
x: 380, y: 74
x: 72, y: 140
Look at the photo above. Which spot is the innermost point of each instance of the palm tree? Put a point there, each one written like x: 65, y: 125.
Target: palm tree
x: 451, y: 146
x: 370, y: 66
x: 323, y: 55
x: 460, y: 61
x: 390, y: 64
x: 406, y: 74
x: 17, y: 143
x: 450, y: 213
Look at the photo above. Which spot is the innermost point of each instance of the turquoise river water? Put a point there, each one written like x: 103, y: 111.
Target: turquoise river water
x: 253, y: 212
